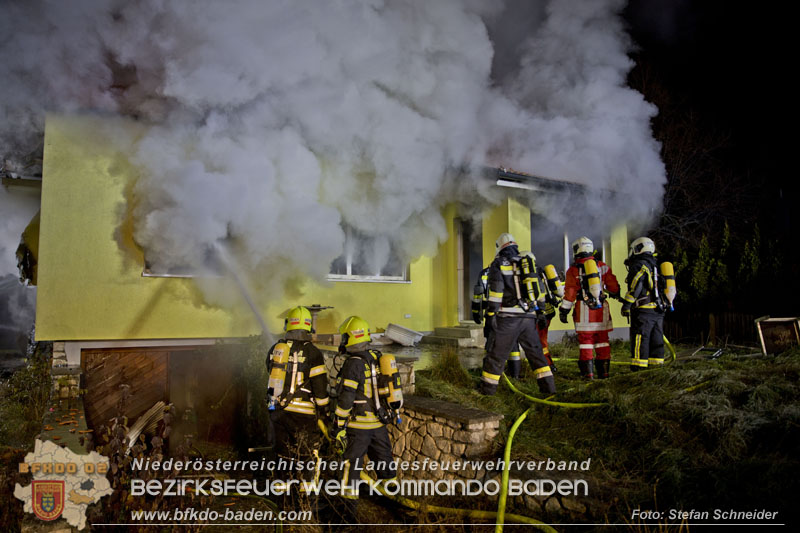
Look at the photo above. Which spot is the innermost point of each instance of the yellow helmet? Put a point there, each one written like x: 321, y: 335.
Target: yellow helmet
x: 298, y: 318
x: 505, y: 239
x: 354, y: 330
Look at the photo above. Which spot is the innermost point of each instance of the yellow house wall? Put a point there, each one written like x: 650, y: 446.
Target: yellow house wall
x: 90, y: 282
x: 508, y: 217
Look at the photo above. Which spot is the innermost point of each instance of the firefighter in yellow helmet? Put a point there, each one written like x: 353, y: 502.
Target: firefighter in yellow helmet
x: 363, y: 410
x: 649, y: 295
x: 297, y: 392
x: 513, y: 295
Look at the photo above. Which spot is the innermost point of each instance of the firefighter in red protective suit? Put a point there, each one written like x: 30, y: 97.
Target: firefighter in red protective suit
x: 550, y: 299
x: 587, y: 281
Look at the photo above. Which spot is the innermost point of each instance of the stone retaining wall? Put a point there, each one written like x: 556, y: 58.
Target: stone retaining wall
x: 443, y: 432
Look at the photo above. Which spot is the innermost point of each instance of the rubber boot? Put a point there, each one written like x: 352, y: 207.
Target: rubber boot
x: 551, y: 363
x: 513, y: 368
x: 547, y: 385
x: 603, y: 367
x: 587, y: 369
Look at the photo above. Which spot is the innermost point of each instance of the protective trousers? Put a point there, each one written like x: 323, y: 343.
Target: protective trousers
x: 514, y: 366
x: 296, y: 435
x: 543, y: 340
x: 647, y: 338
x: 510, y: 331
x: 376, y: 445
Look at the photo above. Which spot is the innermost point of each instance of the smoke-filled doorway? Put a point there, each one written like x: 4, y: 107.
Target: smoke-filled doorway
x: 470, y: 264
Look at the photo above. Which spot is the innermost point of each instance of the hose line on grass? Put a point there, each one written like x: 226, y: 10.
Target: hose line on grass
x: 470, y: 513
x: 501, y: 502
x: 670, y: 348
x: 568, y: 405
x: 698, y: 386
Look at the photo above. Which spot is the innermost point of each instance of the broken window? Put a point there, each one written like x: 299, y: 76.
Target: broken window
x: 209, y: 267
x: 368, y: 259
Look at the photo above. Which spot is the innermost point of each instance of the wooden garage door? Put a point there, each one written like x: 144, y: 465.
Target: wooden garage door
x: 104, y: 370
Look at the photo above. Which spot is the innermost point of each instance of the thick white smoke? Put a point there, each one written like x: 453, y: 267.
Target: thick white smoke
x: 280, y: 127
x: 16, y: 300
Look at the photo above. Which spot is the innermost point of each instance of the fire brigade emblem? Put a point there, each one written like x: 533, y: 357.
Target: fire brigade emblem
x: 48, y: 499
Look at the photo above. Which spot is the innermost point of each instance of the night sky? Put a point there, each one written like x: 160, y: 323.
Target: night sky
x: 730, y: 64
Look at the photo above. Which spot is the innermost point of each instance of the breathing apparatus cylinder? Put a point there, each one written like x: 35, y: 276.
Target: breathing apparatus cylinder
x: 669, y: 291
x: 277, y: 376
x: 553, y: 281
x: 594, y: 284
x: 392, y: 392
x: 530, y: 281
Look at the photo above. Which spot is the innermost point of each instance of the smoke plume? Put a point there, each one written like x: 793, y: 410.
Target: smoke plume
x: 296, y: 131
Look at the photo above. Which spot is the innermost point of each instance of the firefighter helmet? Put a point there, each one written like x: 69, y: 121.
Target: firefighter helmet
x: 298, y: 318
x: 642, y: 245
x: 584, y: 245
x: 354, y: 330
x: 505, y: 239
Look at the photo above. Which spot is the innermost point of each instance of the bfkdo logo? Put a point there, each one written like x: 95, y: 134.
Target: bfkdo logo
x: 48, y: 499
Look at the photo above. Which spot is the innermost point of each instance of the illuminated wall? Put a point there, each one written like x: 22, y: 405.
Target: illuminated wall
x: 90, y: 282
x: 90, y: 285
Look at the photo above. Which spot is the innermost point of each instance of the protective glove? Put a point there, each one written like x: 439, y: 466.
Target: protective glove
x: 541, y: 320
x: 626, y: 310
x: 562, y: 314
x: 341, y: 438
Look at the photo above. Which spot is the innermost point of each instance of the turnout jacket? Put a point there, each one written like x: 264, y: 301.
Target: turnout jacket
x: 311, y: 378
x: 587, y: 319
x: 357, y: 397
x: 480, y: 296
x: 502, y: 288
x: 642, y: 283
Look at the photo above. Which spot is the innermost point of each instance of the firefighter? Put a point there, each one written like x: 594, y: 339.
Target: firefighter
x: 513, y: 295
x: 647, y: 298
x: 480, y: 314
x: 298, y: 385
x: 361, y: 416
x: 587, y: 281
x: 549, y: 300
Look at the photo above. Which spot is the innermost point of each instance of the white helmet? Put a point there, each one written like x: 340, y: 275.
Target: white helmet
x: 642, y: 245
x: 505, y: 239
x: 584, y: 245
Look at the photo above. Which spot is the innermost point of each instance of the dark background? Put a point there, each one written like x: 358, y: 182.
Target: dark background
x: 719, y: 73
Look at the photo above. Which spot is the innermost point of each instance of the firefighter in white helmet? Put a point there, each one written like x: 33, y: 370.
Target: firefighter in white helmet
x: 587, y: 282
x: 649, y: 295
x: 297, y: 392
x: 363, y: 409
x: 482, y: 315
x: 513, y: 294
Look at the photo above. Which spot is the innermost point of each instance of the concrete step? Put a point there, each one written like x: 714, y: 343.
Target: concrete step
x: 461, y: 342
x: 458, y: 332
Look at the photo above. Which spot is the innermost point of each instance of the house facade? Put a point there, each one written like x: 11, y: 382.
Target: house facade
x: 96, y: 301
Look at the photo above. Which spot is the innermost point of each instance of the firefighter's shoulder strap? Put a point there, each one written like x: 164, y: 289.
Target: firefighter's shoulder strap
x: 374, y: 370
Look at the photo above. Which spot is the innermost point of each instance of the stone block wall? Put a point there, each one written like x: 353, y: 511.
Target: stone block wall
x: 443, y: 432
x: 66, y: 377
x: 405, y: 365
